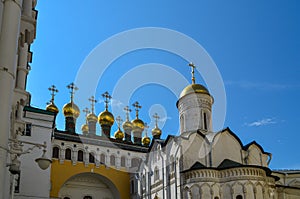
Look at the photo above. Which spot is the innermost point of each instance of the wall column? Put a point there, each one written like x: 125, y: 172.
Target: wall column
x: 10, y: 29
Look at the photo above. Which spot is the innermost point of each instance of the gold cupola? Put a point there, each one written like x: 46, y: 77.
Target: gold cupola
x: 156, y: 132
x: 71, y: 109
x: 146, y: 140
x: 138, y: 125
x: 85, y: 127
x: 91, y: 117
x: 51, y: 106
x: 119, y: 135
x: 106, y: 118
x: 127, y: 125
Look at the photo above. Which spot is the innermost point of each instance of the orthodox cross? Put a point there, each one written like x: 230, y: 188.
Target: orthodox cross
x: 107, y: 97
x: 93, y: 101
x: 156, y: 117
x: 72, y: 88
x: 137, y: 106
x: 86, y: 111
x: 119, y: 121
x: 53, y: 91
x: 193, y: 71
x: 127, y: 110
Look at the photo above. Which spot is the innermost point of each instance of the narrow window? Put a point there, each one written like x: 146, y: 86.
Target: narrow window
x: 87, y: 197
x: 122, y: 161
x: 80, y: 156
x: 28, y: 129
x: 102, y: 159
x: 239, y: 197
x: 68, y: 154
x: 55, y: 152
x: 205, y: 121
x: 112, y: 160
x: 135, y: 162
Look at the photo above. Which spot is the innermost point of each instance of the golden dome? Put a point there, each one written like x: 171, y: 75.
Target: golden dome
x: 85, y: 128
x: 119, y: 135
x: 193, y: 88
x: 106, y: 118
x: 156, y: 131
x: 146, y: 141
x: 127, y: 126
x: 52, y: 108
x: 71, y: 110
x: 91, y: 117
x: 138, y: 125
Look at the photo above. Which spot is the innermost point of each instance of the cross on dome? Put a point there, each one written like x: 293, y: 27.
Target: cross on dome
x: 137, y: 106
x: 119, y: 121
x: 127, y: 110
x: 93, y: 101
x: 156, y: 117
x: 107, y: 97
x: 53, y: 91
x: 86, y: 111
x: 193, y: 72
x: 72, y: 88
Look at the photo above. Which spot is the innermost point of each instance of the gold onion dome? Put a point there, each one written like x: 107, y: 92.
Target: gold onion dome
x: 85, y: 128
x: 52, y: 108
x: 194, y: 88
x: 138, y: 125
x: 71, y: 110
x: 156, y: 131
x: 146, y: 140
x: 91, y: 117
x: 106, y: 118
x: 119, y: 135
x: 127, y: 126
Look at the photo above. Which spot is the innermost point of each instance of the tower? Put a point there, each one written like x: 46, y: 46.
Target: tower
x: 138, y: 125
x: 91, y: 117
x: 106, y: 118
x: 195, y: 107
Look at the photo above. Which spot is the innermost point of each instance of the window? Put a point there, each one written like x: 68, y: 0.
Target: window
x: 205, y: 120
x: 68, y: 154
x: 28, y: 129
x: 55, y: 152
x: 80, y: 156
x: 91, y: 158
x: 239, y: 197
x: 102, y: 159
x: 172, y: 164
x: 216, y: 197
x: 66, y: 198
x: 123, y: 161
x: 87, y: 197
x: 156, y: 174
x: 112, y: 160
x: 135, y: 162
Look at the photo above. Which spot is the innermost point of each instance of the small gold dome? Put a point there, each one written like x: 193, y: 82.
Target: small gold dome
x: 85, y: 128
x: 52, y: 108
x: 106, y: 118
x: 146, y: 141
x: 138, y: 125
x: 193, y: 88
x: 127, y: 126
x: 91, y: 117
x: 156, y: 131
x: 71, y: 110
x: 119, y: 135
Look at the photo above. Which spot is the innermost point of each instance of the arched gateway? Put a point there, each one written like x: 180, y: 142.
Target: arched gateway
x: 88, y: 186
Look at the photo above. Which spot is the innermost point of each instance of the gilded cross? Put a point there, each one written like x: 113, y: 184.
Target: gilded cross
x: 119, y: 121
x: 93, y: 101
x: 156, y: 117
x: 137, y: 106
x: 86, y: 111
x: 107, y: 97
x: 127, y: 110
x: 72, y: 88
x: 53, y: 91
x: 193, y: 71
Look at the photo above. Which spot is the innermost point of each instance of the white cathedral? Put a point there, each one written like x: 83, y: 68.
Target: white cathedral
x: 93, y: 164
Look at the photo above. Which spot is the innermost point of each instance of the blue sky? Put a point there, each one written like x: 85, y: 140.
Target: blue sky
x: 255, y: 46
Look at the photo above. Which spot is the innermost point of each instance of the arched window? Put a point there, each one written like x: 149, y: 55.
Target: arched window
x: 102, y: 159
x: 91, y: 158
x: 216, y: 197
x: 68, y: 154
x: 123, y: 161
x: 87, y: 197
x: 239, y: 197
x: 55, y: 152
x: 66, y: 198
x: 80, y: 156
x: 205, y: 121
x: 172, y: 164
x: 112, y: 160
